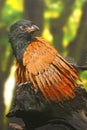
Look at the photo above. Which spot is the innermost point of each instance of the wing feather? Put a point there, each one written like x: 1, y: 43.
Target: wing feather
x: 47, y: 71
x: 40, y: 85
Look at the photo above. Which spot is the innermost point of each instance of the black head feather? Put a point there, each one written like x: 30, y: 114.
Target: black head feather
x: 20, y: 36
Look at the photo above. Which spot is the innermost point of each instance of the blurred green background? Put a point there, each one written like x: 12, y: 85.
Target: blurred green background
x: 62, y: 22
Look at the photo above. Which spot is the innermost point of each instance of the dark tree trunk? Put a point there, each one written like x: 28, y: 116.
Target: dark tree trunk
x: 34, y: 11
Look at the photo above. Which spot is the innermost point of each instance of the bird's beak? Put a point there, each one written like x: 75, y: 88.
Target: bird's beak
x: 33, y: 28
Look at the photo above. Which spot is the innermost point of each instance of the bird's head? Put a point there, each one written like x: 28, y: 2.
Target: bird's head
x: 22, y: 28
x: 20, y: 36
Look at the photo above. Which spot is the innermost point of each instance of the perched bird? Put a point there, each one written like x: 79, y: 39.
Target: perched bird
x: 48, y: 96
x: 40, y: 64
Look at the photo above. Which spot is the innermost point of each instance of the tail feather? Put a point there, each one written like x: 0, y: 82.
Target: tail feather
x: 53, y: 88
x: 46, y: 75
x: 32, y: 80
x: 40, y: 85
x: 62, y: 84
x: 47, y: 89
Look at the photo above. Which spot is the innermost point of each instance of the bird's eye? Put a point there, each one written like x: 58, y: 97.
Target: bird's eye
x: 22, y: 27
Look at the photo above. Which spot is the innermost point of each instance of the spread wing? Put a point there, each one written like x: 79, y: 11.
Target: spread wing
x: 48, y: 71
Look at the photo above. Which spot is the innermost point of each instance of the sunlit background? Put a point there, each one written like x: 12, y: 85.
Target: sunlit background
x: 63, y: 23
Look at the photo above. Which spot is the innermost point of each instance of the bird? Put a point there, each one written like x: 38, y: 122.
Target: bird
x: 39, y: 63
x: 48, y: 96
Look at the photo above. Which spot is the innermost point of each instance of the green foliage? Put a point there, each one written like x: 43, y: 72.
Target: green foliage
x: 9, y: 15
x: 73, y: 22
x: 83, y: 76
x: 11, y: 12
x: 53, y: 9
